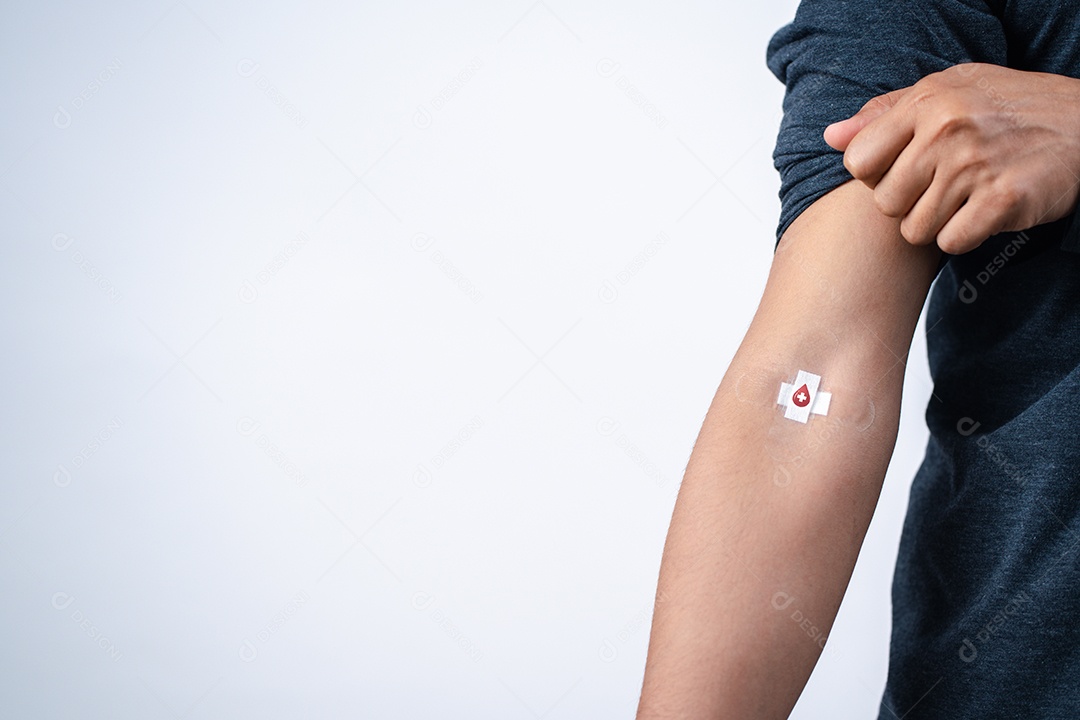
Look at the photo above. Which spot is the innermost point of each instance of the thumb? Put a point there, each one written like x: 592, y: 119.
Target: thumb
x: 839, y: 134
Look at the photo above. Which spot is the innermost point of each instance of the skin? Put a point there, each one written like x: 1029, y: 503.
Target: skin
x: 968, y: 152
x: 771, y: 513
x: 771, y: 510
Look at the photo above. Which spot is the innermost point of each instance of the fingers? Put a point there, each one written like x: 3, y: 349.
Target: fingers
x: 973, y: 223
x: 839, y: 134
x: 933, y: 210
x: 905, y: 181
x: 873, y: 150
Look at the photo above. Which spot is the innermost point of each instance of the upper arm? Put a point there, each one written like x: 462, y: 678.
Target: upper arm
x: 843, y: 269
x: 843, y: 296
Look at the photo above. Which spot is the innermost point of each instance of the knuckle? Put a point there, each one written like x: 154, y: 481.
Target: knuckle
x: 977, y: 171
x: 952, y: 119
x: 855, y: 163
x: 1005, y: 199
x: 951, y: 242
x: 879, y: 103
x: 965, y: 167
x: 967, y: 157
x: 1008, y: 197
x: 928, y: 83
x: 913, y: 230
x: 871, y: 104
x: 963, y: 70
x: 923, y: 95
x: 886, y: 201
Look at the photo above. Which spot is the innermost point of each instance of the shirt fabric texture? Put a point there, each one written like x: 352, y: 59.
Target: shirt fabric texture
x: 986, y: 592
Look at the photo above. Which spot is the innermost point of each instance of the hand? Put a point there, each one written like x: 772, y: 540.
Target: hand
x: 968, y: 152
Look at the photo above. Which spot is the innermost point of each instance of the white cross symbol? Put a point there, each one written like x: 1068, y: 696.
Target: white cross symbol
x: 799, y: 404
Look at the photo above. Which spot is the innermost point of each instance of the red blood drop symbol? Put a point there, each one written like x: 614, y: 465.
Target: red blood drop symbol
x: 801, y: 396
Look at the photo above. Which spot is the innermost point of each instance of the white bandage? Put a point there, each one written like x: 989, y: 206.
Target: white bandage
x: 801, y: 398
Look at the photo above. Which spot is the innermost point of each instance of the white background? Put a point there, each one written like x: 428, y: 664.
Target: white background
x: 353, y: 353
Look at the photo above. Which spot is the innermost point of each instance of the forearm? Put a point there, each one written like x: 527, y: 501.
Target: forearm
x: 772, y: 513
x: 763, y: 536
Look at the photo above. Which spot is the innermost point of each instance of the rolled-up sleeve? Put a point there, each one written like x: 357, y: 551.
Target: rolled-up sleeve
x: 838, y: 54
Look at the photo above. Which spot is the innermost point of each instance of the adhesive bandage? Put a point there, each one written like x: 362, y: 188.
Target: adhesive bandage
x: 802, y: 397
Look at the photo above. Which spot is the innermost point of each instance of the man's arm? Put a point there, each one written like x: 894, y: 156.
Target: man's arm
x: 772, y: 512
